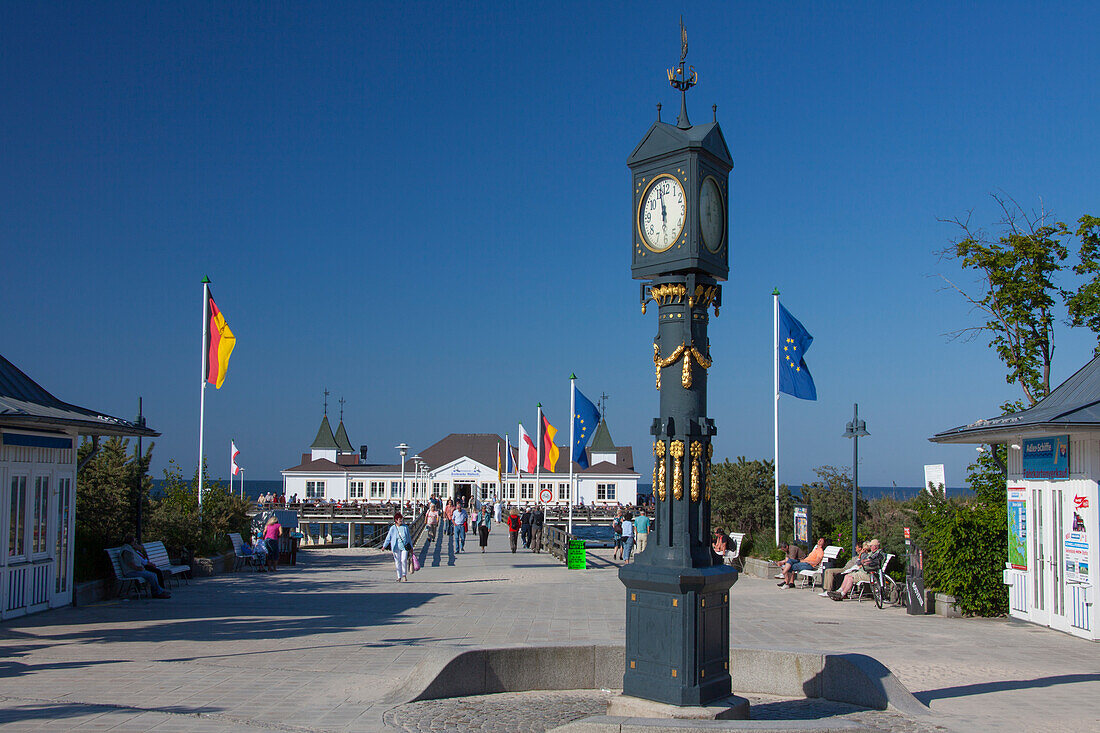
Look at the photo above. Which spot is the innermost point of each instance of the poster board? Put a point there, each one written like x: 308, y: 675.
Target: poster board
x: 802, y: 524
x: 1075, y: 539
x: 1017, y: 528
x: 935, y: 475
x: 1046, y: 458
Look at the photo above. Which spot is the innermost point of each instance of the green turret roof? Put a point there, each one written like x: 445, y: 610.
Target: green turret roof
x: 601, y: 441
x: 324, y: 439
x: 342, y: 442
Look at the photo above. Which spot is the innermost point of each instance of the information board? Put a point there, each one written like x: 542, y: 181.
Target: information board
x: 576, y: 558
x: 1046, y: 457
x: 802, y: 524
x: 1076, y: 541
x: 1017, y: 528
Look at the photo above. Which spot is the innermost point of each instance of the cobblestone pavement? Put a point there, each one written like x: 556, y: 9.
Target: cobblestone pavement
x: 320, y: 646
x: 535, y: 712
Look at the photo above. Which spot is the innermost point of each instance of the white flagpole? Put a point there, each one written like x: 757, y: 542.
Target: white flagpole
x: 507, y: 459
x: 775, y: 374
x: 202, y: 392
x: 538, y: 459
x: 572, y: 424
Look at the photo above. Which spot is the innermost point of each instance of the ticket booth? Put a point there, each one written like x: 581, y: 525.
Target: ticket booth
x: 1052, y: 471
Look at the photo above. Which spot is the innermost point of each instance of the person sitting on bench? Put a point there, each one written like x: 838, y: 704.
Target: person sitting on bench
x: 810, y: 563
x: 135, y: 564
x: 869, y: 562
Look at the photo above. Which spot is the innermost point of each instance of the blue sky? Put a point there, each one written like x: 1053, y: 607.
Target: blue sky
x: 425, y: 208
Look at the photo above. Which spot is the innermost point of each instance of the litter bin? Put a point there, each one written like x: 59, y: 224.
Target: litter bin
x: 914, y: 581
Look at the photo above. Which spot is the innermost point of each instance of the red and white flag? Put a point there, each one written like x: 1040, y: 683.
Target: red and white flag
x: 233, y: 453
x: 528, y: 453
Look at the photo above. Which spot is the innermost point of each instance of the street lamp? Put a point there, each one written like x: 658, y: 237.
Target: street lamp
x: 416, y: 473
x: 855, y: 430
x: 404, y: 450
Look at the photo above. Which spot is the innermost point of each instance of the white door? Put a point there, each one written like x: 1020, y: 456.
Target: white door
x: 1039, y: 559
x: 1056, y: 578
x: 63, y: 517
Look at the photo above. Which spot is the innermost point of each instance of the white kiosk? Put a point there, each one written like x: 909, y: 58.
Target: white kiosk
x: 1052, y: 471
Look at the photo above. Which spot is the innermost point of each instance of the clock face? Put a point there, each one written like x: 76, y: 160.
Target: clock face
x: 711, y: 214
x: 662, y: 213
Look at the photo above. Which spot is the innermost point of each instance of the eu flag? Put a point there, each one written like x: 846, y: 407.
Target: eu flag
x: 585, y: 418
x: 794, y: 342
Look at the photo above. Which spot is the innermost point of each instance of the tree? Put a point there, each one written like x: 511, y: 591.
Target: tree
x: 743, y: 500
x: 174, y: 517
x: 1019, y: 274
x: 830, y: 500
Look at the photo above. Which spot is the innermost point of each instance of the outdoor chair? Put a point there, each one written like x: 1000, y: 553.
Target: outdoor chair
x: 134, y: 584
x: 158, y: 556
x: 241, y: 560
x: 818, y: 574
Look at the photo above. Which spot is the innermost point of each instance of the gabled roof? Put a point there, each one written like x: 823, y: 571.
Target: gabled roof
x: 601, y: 441
x: 321, y: 464
x: 482, y: 447
x: 324, y: 439
x: 26, y: 404
x: 664, y: 138
x: 341, y: 438
x: 1075, y: 403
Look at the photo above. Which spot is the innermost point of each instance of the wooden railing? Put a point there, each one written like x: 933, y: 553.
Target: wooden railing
x: 556, y: 541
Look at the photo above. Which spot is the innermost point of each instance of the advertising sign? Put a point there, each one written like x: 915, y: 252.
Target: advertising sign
x: 802, y: 524
x: 1076, y: 541
x: 1047, y: 457
x: 1017, y: 528
x: 934, y: 474
x: 576, y: 556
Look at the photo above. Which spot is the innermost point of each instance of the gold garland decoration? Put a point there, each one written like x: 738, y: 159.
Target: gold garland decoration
x: 696, y: 454
x: 710, y: 462
x: 685, y: 351
x: 677, y: 452
x: 659, y: 469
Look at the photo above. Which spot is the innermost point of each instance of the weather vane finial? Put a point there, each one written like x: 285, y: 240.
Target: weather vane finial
x: 679, y: 79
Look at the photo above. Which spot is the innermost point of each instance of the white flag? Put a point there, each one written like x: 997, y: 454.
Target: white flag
x: 233, y: 453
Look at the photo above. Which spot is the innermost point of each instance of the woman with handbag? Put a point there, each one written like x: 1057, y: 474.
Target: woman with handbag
x: 484, y: 524
x: 399, y: 541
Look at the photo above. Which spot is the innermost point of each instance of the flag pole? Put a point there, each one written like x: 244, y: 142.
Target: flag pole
x: 202, y: 391
x: 572, y: 440
x: 538, y: 458
x: 775, y: 375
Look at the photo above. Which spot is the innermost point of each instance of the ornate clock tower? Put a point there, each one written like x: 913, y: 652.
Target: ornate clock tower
x: 677, y: 600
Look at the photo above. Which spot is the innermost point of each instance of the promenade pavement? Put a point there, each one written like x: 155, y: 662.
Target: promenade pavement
x: 322, y: 645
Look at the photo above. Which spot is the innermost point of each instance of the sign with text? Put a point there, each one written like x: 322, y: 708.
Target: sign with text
x: 802, y: 524
x: 1075, y: 542
x: 1017, y: 528
x: 576, y: 558
x: 934, y: 474
x: 1046, y: 458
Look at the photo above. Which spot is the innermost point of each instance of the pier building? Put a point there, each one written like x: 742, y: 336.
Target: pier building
x: 459, y: 465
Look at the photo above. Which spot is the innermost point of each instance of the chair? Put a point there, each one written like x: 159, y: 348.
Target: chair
x: 158, y: 556
x: 866, y: 584
x: 733, y: 553
x: 818, y: 574
x: 241, y: 559
x: 131, y: 583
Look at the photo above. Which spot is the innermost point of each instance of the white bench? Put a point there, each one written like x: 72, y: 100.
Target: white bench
x: 733, y: 551
x: 818, y: 574
x: 131, y: 583
x: 158, y: 555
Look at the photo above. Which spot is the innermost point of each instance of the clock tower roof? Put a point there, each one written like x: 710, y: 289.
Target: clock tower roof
x: 663, y: 139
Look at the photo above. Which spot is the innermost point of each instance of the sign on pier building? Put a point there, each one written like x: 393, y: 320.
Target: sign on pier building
x: 460, y: 465
x: 1052, y: 469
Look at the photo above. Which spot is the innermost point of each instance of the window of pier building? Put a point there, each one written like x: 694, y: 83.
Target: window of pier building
x: 510, y: 490
x: 419, y: 489
x: 355, y: 489
x: 563, y: 492
x: 488, y: 490
x: 605, y: 492
x: 395, y: 490
x: 378, y: 489
x: 439, y: 488
x: 315, y: 489
x: 526, y: 490
x: 17, y: 517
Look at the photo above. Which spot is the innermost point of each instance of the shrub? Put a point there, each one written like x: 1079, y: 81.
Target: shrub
x: 743, y: 500
x: 174, y: 517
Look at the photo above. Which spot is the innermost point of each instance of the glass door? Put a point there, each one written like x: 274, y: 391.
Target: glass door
x: 1058, y: 618
x: 63, y: 551
x: 1039, y: 561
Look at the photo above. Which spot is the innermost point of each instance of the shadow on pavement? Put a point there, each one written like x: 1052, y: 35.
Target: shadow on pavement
x: 926, y: 696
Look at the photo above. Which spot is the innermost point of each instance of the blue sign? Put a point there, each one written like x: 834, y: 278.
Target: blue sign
x: 1047, y: 458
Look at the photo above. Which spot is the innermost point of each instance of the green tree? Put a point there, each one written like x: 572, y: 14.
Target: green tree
x: 175, y: 520
x: 830, y: 500
x: 107, y: 494
x: 743, y: 500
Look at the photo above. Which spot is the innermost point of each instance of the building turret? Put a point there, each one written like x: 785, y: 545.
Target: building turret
x: 324, y: 445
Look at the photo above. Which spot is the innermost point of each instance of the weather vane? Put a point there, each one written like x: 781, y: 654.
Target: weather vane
x: 341, y: 409
x: 327, y: 393
x: 683, y: 80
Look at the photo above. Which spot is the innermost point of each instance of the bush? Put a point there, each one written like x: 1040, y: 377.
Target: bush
x: 175, y: 520
x: 743, y: 500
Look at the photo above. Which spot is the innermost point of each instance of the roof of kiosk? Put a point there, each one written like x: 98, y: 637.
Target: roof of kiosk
x: 1075, y: 403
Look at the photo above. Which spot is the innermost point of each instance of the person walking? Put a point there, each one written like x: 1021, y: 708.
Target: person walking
x: 537, y: 520
x: 459, y: 519
x: 617, y: 528
x: 432, y: 522
x: 484, y: 525
x: 448, y: 518
x: 513, y: 529
x: 525, y: 527
x: 498, y: 509
x: 399, y: 541
x: 271, y: 542
x: 628, y: 536
x: 641, y: 531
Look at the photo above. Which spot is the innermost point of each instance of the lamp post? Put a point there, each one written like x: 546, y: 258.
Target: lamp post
x: 855, y: 430
x: 404, y: 451
x: 416, y: 474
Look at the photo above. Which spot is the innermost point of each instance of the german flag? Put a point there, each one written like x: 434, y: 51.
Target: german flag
x: 219, y: 344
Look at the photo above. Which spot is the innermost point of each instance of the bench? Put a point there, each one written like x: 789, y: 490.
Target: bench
x: 158, y: 556
x: 818, y: 573
x: 132, y: 584
x: 241, y: 559
x: 733, y: 552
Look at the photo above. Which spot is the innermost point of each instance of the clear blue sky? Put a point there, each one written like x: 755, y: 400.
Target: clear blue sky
x: 425, y: 208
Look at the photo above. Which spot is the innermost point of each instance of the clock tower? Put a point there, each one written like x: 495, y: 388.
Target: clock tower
x: 677, y: 599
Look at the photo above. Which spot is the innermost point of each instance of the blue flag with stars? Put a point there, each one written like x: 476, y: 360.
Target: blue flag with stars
x: 794, y: 342
x: 585, y: 419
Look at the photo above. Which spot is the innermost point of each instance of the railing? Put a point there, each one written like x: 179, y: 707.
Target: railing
x: 415, y: 528
x: 556, y: 541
